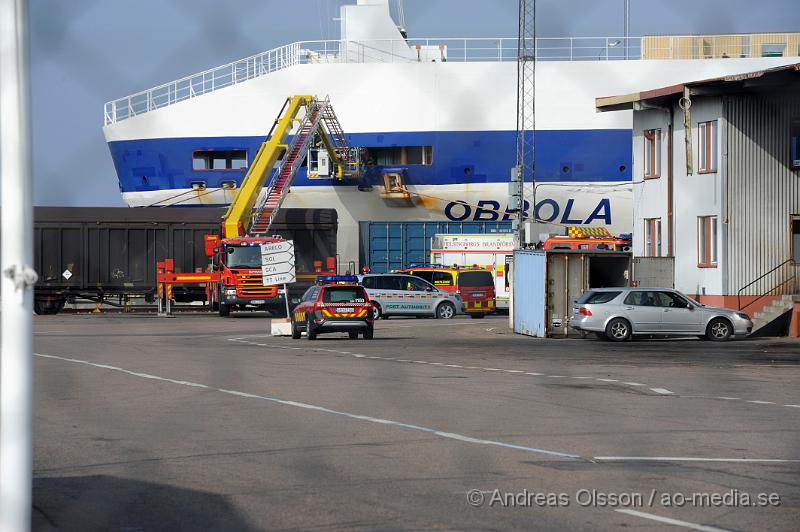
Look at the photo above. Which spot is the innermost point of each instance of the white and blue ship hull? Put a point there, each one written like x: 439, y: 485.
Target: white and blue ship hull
x: 466, y: 111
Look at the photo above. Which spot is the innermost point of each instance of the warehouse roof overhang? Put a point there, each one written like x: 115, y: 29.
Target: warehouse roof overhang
x: 786, y: 77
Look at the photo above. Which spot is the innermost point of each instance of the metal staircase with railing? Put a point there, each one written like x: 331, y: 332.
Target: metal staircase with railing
x: 320, y: 121
x: 278, y: 187
x: 778, y: 287
x: 275, y: 166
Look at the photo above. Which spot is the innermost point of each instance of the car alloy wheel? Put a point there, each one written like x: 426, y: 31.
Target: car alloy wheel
x: 719, y: 330
x: 446, y: 311
x: 618, y: 330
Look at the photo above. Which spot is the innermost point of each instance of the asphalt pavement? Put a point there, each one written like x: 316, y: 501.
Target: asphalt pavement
x: 203, y: 423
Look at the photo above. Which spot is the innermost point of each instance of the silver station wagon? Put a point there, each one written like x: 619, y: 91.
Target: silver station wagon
x: 619, y: 313
x: 395, y: 294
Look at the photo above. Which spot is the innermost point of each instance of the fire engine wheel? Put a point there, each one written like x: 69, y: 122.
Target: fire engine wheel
x: 353, y: 335
x: 368, y: 334
x: 477, y: 315
x: 295, y: 331
x: 445, y: 311
x: 224, y: 310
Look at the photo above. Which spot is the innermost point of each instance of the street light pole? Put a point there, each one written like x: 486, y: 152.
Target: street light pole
x: 16, y: 366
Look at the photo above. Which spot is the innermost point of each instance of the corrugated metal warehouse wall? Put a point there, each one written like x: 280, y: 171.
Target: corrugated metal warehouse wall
x: 763, y: 191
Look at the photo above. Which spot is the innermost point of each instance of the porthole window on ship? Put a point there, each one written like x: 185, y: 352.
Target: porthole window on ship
x: 399, y: 155
x: 204, y: 160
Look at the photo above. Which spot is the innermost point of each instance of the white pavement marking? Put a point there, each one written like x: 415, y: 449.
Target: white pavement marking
x: 662, y: 391
x: 693, y: 459
x: 306, y: 406
x: 668, y: 521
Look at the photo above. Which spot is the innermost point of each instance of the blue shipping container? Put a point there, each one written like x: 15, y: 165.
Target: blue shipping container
x: 387, y: 246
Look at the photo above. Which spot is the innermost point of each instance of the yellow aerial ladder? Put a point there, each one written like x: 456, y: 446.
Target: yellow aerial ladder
x: 249, y: 218
x: 276, y: 163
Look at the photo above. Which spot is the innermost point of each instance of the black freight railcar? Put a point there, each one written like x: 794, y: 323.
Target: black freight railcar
x: 110, y: 254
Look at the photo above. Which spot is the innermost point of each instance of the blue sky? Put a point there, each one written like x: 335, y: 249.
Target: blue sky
x: 86, y: 52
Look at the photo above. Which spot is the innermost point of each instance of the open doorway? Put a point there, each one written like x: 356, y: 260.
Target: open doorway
x: 608, y: 272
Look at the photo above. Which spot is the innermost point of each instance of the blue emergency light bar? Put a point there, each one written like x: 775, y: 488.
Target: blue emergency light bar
x: 336, y: 279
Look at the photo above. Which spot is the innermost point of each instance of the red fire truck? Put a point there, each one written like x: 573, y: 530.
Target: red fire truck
x: 234, y: 279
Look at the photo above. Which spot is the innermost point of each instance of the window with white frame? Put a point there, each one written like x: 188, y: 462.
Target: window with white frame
x: 652, y: 237
x: 652, y: 153
x: 707, y: 146
x: 707, y: 241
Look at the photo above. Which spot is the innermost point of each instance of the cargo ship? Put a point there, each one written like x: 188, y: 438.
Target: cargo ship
x: 438, y: 114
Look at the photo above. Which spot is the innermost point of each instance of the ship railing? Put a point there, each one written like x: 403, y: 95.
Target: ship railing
x: 451, y: 49
x: 197, y: 84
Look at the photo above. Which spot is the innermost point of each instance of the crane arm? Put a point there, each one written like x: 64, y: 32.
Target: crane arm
x: 239, y: 212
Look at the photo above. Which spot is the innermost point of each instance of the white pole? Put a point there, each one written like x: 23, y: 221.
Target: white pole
x: 626, y: 28
x: 16, y: 368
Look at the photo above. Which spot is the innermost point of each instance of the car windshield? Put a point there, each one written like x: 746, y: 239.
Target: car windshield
x: 344, y: 294
x: 692, y: 301
x: 244, y: 257
x: 475, y: 279
x: 597, y: 298
x: 311, y: 294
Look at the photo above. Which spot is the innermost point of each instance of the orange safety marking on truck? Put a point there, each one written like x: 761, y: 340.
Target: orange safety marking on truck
x: 194, y: 278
